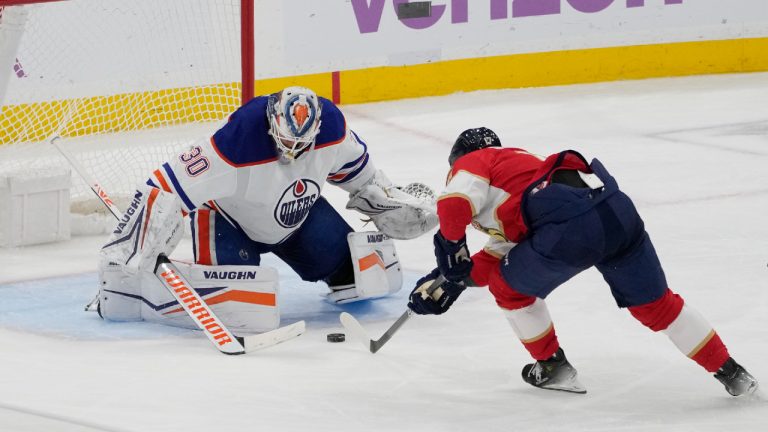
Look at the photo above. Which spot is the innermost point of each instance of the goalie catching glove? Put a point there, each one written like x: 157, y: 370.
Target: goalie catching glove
x: 439, y: 301
x: 401, y: 212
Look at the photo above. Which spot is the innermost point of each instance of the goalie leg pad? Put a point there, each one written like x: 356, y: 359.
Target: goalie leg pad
x: 376, y: 267
x: 119, y: 296
x: 248, y: 298
x: 244, y: 298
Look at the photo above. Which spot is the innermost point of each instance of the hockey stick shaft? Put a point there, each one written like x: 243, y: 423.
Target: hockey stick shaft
x: 101, y: 194
x: 172, y: 279
x: 353, y: 326
x: 377, y: 344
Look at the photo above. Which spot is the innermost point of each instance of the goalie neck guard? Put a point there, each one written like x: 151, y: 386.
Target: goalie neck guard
x: 471, y: 140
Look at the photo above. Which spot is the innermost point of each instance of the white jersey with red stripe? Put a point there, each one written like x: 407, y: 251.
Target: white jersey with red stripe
x: 238, y: 172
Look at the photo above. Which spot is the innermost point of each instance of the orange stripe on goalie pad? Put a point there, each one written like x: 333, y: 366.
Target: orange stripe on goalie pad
x: 149, y: 206
x: 263, y: 299
x: 369, y: 261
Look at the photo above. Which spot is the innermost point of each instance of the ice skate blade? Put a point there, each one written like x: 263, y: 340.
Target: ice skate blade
x: 575, y: 387
x: 750, y: 392
x: 743, y: 384
x: 563, y: 377
x: 570, y: 384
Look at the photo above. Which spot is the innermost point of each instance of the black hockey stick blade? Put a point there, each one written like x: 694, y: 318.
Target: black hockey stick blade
x: 377, y: 344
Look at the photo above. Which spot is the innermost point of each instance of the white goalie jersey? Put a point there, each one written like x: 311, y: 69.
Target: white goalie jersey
x: 238, y: 172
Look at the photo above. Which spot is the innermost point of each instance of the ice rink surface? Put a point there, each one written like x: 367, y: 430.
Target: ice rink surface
x: 691, y: 152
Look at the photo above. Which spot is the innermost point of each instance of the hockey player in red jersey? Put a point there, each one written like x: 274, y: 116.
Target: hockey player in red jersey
x: 549, y: 219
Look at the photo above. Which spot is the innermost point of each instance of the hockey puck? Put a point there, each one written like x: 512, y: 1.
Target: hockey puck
x: 336, y: 337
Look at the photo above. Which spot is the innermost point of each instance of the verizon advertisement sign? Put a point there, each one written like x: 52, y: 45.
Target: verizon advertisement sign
x: 332, y: 34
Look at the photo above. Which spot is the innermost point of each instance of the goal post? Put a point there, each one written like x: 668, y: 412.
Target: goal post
x: 127, y: 84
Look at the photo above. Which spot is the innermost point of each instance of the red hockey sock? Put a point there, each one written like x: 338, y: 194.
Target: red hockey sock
x: 659, y: 314
x: 685, y: 327
x: 543, y: 347
x: 712, y: 354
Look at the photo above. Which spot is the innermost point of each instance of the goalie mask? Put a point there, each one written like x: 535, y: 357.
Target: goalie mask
x: 294, y: 121
x: 471, y: 140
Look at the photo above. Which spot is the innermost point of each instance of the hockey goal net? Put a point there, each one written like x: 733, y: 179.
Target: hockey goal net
x: 126, y: 84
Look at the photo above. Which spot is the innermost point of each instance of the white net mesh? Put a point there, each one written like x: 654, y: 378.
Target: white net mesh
x: 116, y: 79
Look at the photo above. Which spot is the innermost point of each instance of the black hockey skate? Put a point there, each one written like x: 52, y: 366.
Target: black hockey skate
x: 555, y: 373
x: 736, y: 379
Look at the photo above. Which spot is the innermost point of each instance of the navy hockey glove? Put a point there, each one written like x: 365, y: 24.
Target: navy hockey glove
x: 453, y: 258
x: 441, y: 299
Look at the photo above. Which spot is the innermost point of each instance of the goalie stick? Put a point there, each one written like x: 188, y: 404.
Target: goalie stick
x: 357, y: 331
x: 195, y: 306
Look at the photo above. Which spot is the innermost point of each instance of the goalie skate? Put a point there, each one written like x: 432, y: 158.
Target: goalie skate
x: 554, y: 373
x: 736, y: 379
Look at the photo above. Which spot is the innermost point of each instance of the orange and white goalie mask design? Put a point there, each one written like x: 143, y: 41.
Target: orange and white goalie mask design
x: 294, y: 121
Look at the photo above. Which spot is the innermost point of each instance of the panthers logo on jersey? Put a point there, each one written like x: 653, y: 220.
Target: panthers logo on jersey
x: 492, y: 232
x: 295, y: 203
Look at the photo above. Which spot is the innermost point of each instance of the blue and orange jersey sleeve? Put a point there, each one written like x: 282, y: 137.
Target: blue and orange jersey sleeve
x: 352, y: 166
x: 165, y: 178
x: 197, y: 176
x: 207, y: 171
x: 357, y: 151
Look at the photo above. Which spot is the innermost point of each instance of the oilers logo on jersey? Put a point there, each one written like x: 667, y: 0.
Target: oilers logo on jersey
x: 294, y: 204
